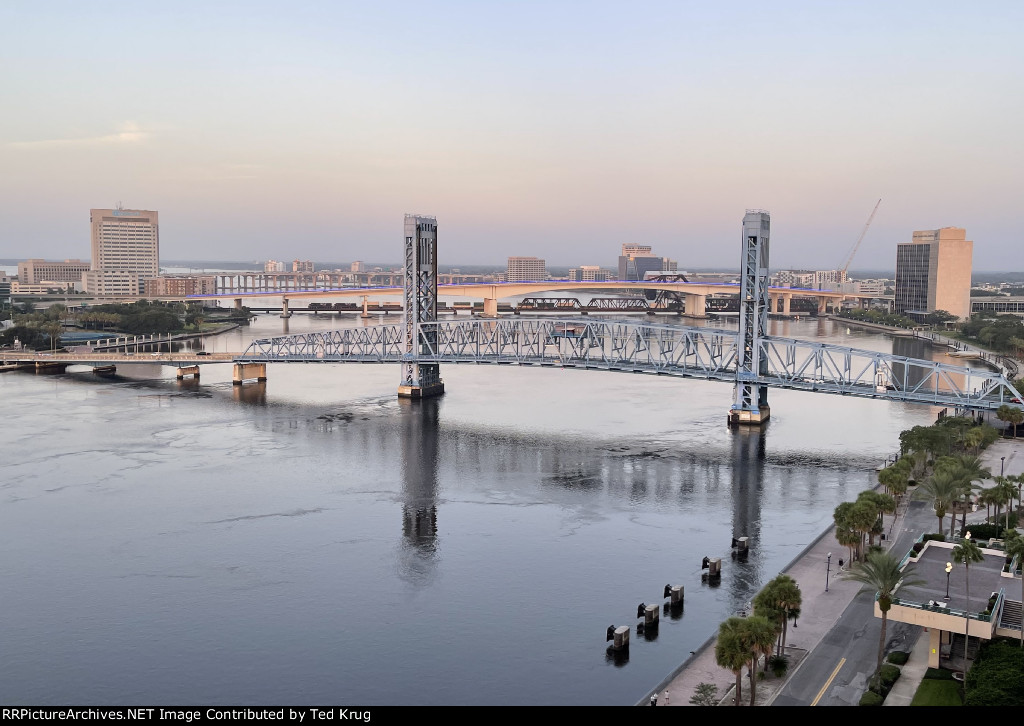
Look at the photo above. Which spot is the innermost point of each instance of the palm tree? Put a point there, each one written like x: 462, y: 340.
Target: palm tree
x: 974, y: 439
x: 942, y: 488
x: 1012, y: 415
x: 967, y: 552
x: 883, y: 504
x: 1004, y: 491
x: 881, y: 574
x: 890, y: 478
x: 986, y: 497
x: 759, y: 635
x: 1015, y: 548
x: 731, y: 652
x: 777, y: 601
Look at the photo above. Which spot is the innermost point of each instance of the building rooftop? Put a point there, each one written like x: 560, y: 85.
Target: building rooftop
x: 985, y: 578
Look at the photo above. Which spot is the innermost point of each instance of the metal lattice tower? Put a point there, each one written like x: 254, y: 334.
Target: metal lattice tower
x: 750, y: 405
x: 420, y: 380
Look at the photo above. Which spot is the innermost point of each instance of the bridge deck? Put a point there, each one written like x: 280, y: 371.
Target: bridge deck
x: 113, y: 357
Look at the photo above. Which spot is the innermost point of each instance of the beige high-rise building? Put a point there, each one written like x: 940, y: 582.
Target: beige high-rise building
x: 125, y: 250
x: 933, y: 272
x: 526, y: 269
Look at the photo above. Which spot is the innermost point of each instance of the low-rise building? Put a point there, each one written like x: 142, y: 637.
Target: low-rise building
x: 590, y: 273
x: 945, y: 608
x: 36, y: 271
x: 179, y: 285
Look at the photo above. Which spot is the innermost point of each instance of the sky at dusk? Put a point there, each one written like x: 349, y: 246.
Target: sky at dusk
x: 556, y: 129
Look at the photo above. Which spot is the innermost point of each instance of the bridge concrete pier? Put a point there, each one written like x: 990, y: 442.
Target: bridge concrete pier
x: 285, y: 312
x: 749, y: 417
x: 430, y: 390
x: 238, y: 303
x: 490, y: 307
x: 696, y: 306
x: 822, y: 305
x: 188, y: 371
x: 248, y: 371
x: 366, y: 307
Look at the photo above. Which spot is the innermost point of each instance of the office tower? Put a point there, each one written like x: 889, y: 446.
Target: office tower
x: 933, y: 272
x: 302, y: 266
x: 526, y: 269
x: 125, y: 250
x: 637, y: 260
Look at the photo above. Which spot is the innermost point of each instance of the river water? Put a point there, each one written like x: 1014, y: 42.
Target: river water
x: 314, y: 540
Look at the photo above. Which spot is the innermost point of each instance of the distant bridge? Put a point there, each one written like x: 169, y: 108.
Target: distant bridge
x: 695, y: 294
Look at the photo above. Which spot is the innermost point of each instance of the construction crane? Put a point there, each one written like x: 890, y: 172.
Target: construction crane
x: 856, y: 245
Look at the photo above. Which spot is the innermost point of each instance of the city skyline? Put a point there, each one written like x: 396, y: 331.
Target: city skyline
x: 560, y: 131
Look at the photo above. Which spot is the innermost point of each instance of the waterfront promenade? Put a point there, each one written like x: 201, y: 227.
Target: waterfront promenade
x: 822, y: 611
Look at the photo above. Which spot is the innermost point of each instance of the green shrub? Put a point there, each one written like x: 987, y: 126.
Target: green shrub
x: 997, y: 675
x: 982, y: 531
x: 779, y: 665
x: 881, y: 682
x: 888, y: 674
x: 899, y: 657
x: 870, y: 698
x: 934, y: 536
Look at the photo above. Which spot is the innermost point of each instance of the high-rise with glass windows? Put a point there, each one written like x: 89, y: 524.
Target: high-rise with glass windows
x: 125, y: 251
x: 933, y: 272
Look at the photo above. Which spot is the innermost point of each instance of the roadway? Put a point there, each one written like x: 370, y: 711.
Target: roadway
x: 108, y: 358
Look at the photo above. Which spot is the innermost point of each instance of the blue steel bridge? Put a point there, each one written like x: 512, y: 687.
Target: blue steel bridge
x: 656, y: 349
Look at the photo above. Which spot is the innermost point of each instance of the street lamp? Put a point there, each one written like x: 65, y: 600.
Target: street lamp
x: 828, y: 569
x: 949, y: 568
x: 1002, y: 460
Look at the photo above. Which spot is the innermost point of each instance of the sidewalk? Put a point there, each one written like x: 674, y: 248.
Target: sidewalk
x: 911, y: 674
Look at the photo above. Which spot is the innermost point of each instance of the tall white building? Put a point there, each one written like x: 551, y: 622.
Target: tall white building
x: 125, y: 250
x: 526, y: 269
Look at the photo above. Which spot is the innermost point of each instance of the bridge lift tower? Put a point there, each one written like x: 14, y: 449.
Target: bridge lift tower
x: 420, y: 380
x: 750, y: 405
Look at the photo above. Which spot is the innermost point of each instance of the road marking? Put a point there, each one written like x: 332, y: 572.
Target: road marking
x: 828, y: 683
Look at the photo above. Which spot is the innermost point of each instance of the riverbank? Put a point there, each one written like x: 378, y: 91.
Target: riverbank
x: 821, y: 610
x: 127, y: 341
x: 1009, y: 367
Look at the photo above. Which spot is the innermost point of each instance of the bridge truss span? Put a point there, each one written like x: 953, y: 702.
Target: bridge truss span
x: 594, y: 344
x: 660, y: 349
x: 810, y: 366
